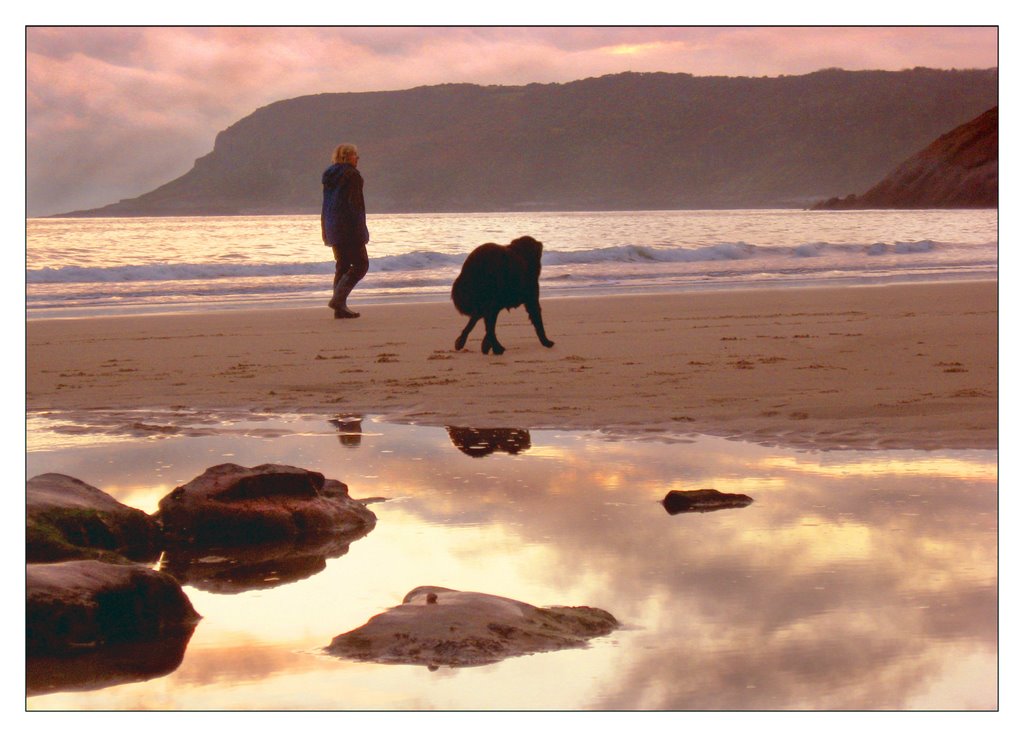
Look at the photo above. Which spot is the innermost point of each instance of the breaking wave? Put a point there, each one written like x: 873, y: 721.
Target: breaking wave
x: 419, y: 261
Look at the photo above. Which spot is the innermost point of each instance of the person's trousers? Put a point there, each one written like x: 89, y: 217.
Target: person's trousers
x: 352, y: 261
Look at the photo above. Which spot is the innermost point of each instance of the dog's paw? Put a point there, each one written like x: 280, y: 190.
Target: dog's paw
x: 460, y: 343
x: 547, y: 343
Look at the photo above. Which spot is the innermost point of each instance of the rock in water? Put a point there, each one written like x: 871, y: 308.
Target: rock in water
x: 89, y: 603
x: 436, y: 626
x: 232, y: 505
x: 67, y: 519
x: 702, y: 500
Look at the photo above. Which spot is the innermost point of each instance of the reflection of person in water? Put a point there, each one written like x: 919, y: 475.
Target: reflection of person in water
x: 350, y: 430
x: 478, y: 442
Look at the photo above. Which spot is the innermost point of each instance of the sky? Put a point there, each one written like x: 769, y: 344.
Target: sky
x: 114, y: 112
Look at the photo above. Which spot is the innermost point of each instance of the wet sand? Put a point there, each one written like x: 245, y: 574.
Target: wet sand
x: 901, y: 366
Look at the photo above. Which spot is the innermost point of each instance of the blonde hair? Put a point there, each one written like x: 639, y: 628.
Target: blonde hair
x: 344, y: 153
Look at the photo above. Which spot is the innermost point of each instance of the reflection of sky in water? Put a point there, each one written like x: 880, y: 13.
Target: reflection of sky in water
x: 856, y: 580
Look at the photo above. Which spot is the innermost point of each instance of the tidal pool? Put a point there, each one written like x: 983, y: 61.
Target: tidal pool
x: 855, y: 580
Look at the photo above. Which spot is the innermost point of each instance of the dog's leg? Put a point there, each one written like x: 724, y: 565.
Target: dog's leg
x: 533, y: 310
x: 490, y: 342
x: 460, y: 342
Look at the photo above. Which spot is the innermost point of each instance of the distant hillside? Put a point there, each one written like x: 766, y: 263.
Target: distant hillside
x: 623, y: 141
x: 959, y: 169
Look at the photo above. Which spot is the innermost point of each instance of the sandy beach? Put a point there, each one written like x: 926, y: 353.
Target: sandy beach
x: 900, y: 366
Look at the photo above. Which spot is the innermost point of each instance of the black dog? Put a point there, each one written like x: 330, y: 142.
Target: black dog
x: 496, y: 278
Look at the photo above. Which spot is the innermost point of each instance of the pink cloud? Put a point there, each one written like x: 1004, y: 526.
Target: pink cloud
x: 172, y: 89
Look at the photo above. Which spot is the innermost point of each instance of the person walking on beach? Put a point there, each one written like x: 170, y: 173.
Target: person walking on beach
x: 343, y: 225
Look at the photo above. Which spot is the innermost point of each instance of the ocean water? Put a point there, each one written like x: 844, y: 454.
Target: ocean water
x: 127, y: 265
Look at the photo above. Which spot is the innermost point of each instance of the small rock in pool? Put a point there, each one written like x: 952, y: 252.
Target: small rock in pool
x: 702, y: 500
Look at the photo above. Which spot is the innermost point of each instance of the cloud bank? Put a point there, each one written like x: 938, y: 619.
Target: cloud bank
x: 115, y: 112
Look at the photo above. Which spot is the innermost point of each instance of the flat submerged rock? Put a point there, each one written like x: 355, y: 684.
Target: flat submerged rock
x: 436, y: 626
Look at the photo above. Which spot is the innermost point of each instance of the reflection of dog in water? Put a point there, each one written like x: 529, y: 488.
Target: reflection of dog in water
x: 478, y: 443
x: 496, y: 278
x: 350, y: 430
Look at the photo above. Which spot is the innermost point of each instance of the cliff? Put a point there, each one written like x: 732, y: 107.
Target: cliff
x: 959, y: 169
x: 623, y: 141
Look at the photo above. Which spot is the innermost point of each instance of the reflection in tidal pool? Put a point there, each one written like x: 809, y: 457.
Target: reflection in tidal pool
x: 855, y: 580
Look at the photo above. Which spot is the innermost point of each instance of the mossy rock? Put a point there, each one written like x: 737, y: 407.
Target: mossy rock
x: 67, y: 519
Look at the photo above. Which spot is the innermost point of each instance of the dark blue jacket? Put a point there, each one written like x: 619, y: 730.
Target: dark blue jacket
x: 343, y: 217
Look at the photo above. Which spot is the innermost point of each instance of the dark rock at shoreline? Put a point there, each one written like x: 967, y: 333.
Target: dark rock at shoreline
x: 67, y: 519
x: 89, y: 603
x: 702, y: 500
x: 435, y: 626
x: 234, y: 570
x: 960, y: 169
x: 480, y: 442
x: 230, y: 505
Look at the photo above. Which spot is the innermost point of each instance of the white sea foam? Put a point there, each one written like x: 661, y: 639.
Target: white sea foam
x: 425, y: 260
x: 136, y: 264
